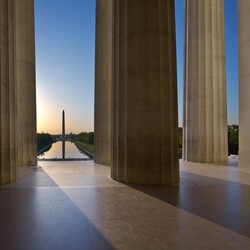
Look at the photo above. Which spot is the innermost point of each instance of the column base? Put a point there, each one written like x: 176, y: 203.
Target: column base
x: 244, y: 160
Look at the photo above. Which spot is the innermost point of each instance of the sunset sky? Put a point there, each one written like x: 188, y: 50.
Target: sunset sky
x: 65, y: 49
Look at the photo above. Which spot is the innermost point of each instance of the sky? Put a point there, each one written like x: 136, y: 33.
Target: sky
x: 65, y: 59
x: 65, y: 49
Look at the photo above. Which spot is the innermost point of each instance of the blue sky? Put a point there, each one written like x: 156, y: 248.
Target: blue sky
x: 65, y: 44
x: 65, y: 49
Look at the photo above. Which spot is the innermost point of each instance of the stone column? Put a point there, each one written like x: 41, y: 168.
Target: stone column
x: 144, y: 123
x: 26, y: 83
x: 205, y: 112
x: 103, y: 69
x: 244, y: 86
x: 8, y: 125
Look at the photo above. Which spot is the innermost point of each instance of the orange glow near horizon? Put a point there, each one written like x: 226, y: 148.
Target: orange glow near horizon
x: 49, y: 115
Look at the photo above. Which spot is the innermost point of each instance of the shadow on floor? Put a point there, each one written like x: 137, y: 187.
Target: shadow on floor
x: 224, y: 203
x: 44, y: 217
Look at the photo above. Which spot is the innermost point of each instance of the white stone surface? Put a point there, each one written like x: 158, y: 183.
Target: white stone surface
x: 244, y: 86
x: 75, y: 205
x: 26, y: 81
x: 103, y: 78
x: 205, y: 112
x: 8, y: 124
x: 144, y: 126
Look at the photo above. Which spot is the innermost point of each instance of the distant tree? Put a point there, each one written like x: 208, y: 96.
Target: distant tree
x: 87, y: 137
x: 180, y: 137
x: 43, y: 140
x: 233, y: 139
x: 72, y: 136
x: 90, y: 138
x: 180, y: 142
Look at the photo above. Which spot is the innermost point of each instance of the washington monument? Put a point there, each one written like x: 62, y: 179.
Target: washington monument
x: 63, y: 135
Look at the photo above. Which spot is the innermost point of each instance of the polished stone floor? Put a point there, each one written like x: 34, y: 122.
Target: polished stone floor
x: 75, y: 205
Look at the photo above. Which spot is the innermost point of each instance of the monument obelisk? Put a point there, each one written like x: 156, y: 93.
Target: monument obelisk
x: 63, y: 135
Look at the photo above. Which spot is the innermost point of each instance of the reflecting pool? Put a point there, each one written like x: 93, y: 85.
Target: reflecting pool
x: 55, y: 152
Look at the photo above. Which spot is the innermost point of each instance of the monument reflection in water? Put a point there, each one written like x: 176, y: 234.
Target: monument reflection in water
x: 71, y: 152
x: 63, y: 149
x: 63, y: 135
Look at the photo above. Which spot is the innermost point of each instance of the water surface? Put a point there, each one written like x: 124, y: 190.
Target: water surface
x: 71, y: 151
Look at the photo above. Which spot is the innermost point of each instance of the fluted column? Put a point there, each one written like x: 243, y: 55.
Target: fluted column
x: 26, y: 83
x: 8, y: 126
x: 144, y: 132
x: 244, y: 86
x: 205, y: 112
x: 103, y: 69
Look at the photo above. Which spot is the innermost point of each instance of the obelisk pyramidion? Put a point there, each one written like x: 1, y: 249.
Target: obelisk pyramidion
x: 63, y: 135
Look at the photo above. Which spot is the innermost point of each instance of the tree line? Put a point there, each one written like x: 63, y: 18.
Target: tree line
x: 233, y: 139
x: 86, y: 137
x: 44, y: 140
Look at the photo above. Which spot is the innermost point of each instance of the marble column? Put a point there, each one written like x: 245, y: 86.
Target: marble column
x: 103, y: 69
x: 244, y: 86
x: 26, y: 83
x: 205, y: 111
x: 144, y: 118
x: 8, y: 125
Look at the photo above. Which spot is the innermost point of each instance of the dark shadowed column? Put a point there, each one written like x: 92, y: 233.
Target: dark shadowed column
x: 205, y: 103
x: 103, y: 67
x: 8, y: 123
x: 26, y: 82
x: 145, y: 128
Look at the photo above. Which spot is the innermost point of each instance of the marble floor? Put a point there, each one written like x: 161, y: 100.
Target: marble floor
x: 76, y: 205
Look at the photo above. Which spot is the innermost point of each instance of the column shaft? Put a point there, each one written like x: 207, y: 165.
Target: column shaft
x: 8, y: 128
x: 103, y: 69
x: 205, y: 113
x: 244, y: 86
x: 144, y: 119
x: 26, y: 82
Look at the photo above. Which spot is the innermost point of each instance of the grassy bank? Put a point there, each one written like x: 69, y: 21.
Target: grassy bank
x: 88, y: 146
